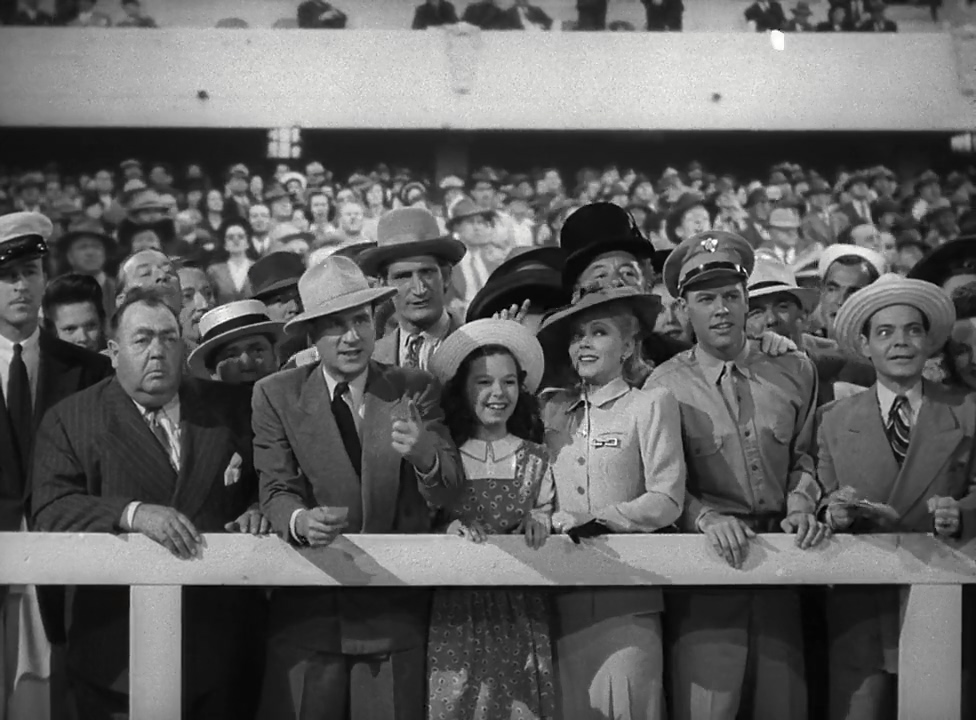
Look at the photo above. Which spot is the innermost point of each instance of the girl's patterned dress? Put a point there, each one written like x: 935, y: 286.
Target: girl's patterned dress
x: 489, y: 656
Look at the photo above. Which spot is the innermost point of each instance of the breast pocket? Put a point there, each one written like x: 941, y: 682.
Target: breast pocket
x: 782, y: 432
x: 705, y: 447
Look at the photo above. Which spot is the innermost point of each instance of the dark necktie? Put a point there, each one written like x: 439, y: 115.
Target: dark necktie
x: 347, y: 427
x: 412, y: 359
x: 19, y: 405
x: 899, y: 428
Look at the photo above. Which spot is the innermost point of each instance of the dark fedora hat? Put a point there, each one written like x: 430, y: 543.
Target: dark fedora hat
x: 83, y: 228
x: 533, y: 274
x: 596, y: 229
x: 164, y: 228
x: 943, y: 262
x: 275, y: 272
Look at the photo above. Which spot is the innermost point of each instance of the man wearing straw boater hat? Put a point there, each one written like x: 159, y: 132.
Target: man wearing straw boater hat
x: 747, y: 419
x: 905, y: 443
x: 348, y: 445
x: 237, y: 343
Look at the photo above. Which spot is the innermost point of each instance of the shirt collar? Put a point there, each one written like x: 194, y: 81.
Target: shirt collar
x: 484, y: 451
x: 170, y: 409
x: 886, y: 398
x: 712, y: 366
x: 614, y: 389
x: 357, y: 386
x: 438, y: 331
x: 28, y: 345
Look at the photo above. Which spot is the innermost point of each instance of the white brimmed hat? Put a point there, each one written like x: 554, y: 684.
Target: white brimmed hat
x: 512, y: 336
x: 838, y: 250
x: 771, y: 276
x: 227, y: 323
x: 334, y: 285
x: 554, y: 331
x: 892, y: 289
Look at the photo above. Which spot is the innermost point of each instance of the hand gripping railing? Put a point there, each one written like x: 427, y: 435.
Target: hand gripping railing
x: 931, y: 639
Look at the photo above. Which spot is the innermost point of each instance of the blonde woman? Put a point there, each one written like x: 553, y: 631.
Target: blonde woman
x: 619, y: 467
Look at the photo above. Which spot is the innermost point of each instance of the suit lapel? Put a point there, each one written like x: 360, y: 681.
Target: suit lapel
x: 867, y: 453
x: 204, y: 451
x: 55, y: 379
x: 131, y: 439
x: 317, y: 432
x: 381, y: 465
x: 935, y: 437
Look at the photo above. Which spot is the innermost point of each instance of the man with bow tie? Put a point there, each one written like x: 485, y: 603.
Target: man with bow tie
x: 152, y: 452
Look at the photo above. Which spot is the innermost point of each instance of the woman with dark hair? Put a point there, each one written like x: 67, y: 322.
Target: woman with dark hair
x: 956, y: 364
x: 74, y: 311
x: 229, y: 278
x: 488, y: 653
x: 214, y: 211
x: 618, y: 464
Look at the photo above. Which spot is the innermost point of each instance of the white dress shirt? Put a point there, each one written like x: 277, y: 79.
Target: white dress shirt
x: 169, y: 418
x: 31, y: 352
x: 886, y: 399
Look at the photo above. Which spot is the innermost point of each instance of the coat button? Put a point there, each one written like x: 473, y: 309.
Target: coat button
x: 581, y: 491
x: 581, y: 461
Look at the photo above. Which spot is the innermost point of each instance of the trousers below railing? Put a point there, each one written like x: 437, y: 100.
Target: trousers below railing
x: 930, y: 652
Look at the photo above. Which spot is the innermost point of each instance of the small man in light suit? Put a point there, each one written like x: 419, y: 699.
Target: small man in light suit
x: 348, y: 444
x: 906, y: 443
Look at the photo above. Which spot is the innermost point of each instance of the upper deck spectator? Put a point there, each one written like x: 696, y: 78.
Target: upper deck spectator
x: 664, y: 14
x: 523, y: 16
x: 765, y: 15
x: 487, y: 15
x: 434, y: 13
x: 28, y: 13
x: 839, y: 21
x: 135, y: 16
x: 878, y: 22
x: 319, y: 14
x: 801, y: 19
x: 89, y: 17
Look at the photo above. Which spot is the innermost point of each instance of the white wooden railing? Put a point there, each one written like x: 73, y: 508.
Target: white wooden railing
x: 931, y: 640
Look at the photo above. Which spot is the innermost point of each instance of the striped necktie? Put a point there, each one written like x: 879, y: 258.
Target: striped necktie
x: 412, y: 359
x: 899, y: 428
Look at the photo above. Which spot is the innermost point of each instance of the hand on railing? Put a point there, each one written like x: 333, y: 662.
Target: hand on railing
x: 535, y: 532
x: 808, y: 530
x: 251, y: 522
x: 473, y: 531
x: 170, y: 528
x: 728, y: 535
x: 320, y: 526
x: 948, y: 520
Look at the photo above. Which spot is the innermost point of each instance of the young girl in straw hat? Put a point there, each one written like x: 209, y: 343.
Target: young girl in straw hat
x: 619, y: 467
x: 488, y: 654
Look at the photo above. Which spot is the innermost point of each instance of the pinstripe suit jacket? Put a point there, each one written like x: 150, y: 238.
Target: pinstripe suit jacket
x: 99, y: 455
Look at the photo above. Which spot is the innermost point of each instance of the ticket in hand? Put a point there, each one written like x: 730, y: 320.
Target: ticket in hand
x: 874, y: 510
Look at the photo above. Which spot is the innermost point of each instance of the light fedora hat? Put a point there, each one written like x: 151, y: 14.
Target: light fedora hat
x: 771, y: 276
x: 334, y: 285
x: 554, y: 330
x: 227, y: 323
x: 838, y: 250
x: 892, y: 289
x: 409, y: 232
x: 512, y: 336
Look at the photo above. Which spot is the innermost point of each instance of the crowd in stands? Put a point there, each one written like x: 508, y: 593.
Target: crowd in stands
x: 661, y: 15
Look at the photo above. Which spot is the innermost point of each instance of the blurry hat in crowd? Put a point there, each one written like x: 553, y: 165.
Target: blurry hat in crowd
x: 294, y: 177
x: 778, y: 178
x: 928, y: 177
x: 143, y: 199
x: 412, y: 192
x: 274, y: 273
x: 284, y: 233
x: 24, y: 236
x: 840, y: 250
x: 315, y: 168
x: 130, y: 163
x: 358, y: 181
x: 276, y: 192
x: 676, y: 214
x: 818, y: 186
x: 240, y: 170
x: 774, y: 193
x: 226, y: 323
x: 86, y: 228
x: 409, y: 232
x: 771, y: 276
x: 486, y: 176
x: 802, y: 9
x: 853, y: 179
x: 533, y: 274
x: 784, y: 218
x: 131, y: 186
x: 596, y: 229
x: 333, y: 286
x: 451, y: 182
x: 164, y: 228
x: 65, y: 210
x: 756, y: 196
x: 31, y: 179
x: 953, y: 259
x: 891, y: 289
x: 706, y: 256
x: 512, y: 336
x: 466, y: 208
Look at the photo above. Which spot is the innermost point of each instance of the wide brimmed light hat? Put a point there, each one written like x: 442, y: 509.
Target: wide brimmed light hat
x: 838, y: 250
x: 512, y: 336
x: 227, y: 323
x: 409, y: 232
x: 771, y: 276
x: 555, y: 327
x: 892, y: 289
x: 332, y: 286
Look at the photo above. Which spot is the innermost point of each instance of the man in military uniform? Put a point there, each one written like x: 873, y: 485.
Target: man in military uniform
x: 748, y: 420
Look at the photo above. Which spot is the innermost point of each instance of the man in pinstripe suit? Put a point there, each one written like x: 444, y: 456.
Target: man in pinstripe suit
x: 152, y: 452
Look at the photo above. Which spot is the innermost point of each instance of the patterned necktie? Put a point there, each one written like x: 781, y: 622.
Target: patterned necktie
x: 162, y: 428
x: 19, y: 404
x: 899, y: 428
x: 412, y: 359
x: 347, y: 427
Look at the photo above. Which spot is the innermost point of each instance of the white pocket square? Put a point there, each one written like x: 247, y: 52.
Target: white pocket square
x: 233, y: 472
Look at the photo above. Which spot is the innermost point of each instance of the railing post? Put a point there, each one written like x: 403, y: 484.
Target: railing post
x: 930, y: 654
x: 155, y: 652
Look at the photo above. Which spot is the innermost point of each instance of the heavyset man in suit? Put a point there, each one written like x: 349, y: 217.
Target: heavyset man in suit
x: 905, y: 442
x: 36, y: 371
x: 153, y: 452
x: 348, y: 653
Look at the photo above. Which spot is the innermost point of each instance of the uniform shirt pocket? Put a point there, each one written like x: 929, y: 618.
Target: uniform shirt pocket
x: 704, y: 447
